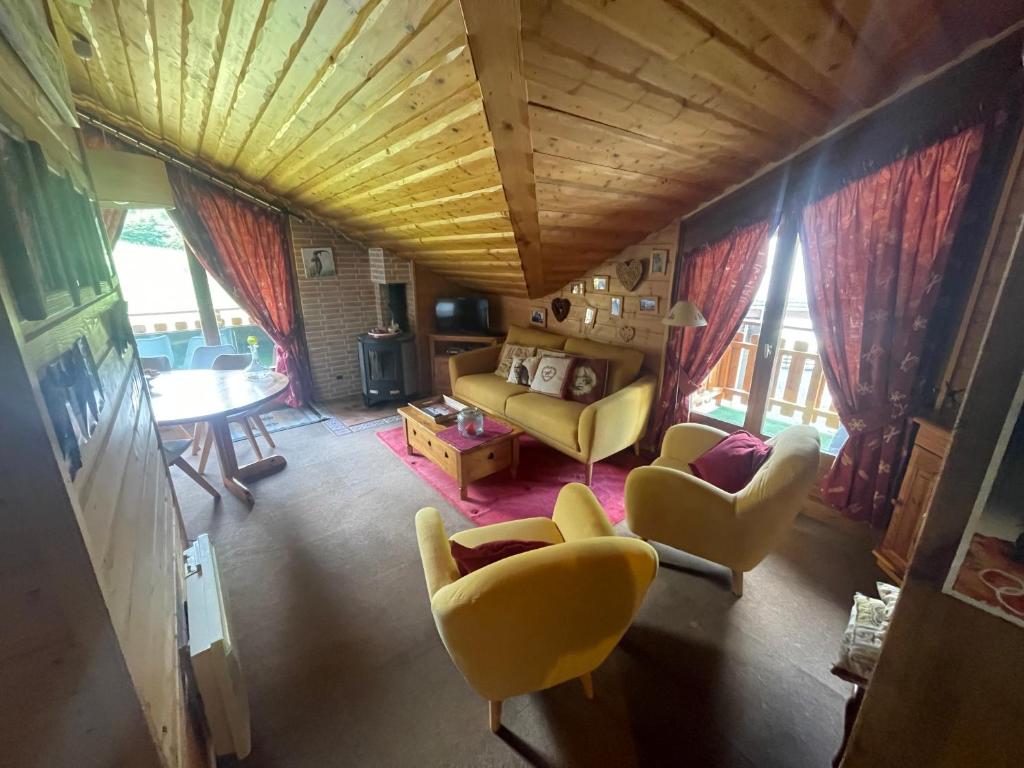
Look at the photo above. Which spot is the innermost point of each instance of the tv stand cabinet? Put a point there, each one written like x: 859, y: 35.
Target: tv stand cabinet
x: 444, y: 345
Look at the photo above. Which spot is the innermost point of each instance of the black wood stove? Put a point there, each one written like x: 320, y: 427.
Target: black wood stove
x: 388, y: 367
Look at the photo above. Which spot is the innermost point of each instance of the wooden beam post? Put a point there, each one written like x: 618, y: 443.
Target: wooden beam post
x: 495, y: 33
x: 201, y: 286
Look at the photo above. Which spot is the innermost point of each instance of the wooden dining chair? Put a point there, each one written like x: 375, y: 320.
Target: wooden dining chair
x: 176, y: 441
x: 246, y: 421
x: 159, y: 363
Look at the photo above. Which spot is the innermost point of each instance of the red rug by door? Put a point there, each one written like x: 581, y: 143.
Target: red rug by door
x: 542, y: 473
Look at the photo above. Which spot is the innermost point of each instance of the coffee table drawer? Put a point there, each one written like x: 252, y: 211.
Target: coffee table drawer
x: 486, y: 460
x: 427, y: 443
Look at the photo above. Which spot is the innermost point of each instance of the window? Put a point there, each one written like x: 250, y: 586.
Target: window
x: 771, y: 377
x: 156, y: 282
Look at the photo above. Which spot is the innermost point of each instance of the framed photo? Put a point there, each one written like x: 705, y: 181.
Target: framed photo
x: 600, y: 283
x: 615, y: 310
x: 659, y: 261
x: 539, y: 316
x: 590, y: 316
x: 578, y: 287
x: 649, y: 305
x: 318, y: 262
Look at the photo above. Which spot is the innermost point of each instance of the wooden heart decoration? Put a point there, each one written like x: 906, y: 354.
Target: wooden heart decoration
x: 630, y: 273
x: 626, y: 333
x: 560, y: 308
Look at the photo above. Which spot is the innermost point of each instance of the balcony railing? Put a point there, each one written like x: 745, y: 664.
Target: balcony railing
x: 797, y: 393
x: 180, y: 327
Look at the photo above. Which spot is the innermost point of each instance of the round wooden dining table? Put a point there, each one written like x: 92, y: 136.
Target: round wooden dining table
x: 214, y: 397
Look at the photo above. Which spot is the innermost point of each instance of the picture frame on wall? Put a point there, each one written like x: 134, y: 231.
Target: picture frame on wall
x: 659, y: 261
x: 600, y: 283
x: 590, y: 316
x: 578, y: 287
x: 539, y: 317
x: 615, y: 307
x: 318, y: 262
x: 649, y: 305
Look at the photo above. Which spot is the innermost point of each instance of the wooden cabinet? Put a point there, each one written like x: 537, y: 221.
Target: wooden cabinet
x: 912, y: 502
x: 443, y: 346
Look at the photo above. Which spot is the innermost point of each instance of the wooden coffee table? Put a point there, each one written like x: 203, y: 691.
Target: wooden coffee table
x: 465, y: 466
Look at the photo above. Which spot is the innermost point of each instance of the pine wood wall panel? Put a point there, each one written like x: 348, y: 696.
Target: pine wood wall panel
x: 108, y: 686
x: 375, y: 115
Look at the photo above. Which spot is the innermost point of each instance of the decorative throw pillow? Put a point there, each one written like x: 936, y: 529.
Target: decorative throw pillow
x: 545, y: 352
x: 553, y: 376
x: 862, y: 640
x: 889, y: 595
x: 589, y: 380
x: 509, y: 351
x: 732, y: 463
x: 469, y: 559
x: 522, y: 370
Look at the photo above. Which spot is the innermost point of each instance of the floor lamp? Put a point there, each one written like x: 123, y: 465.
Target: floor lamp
x: 684, y: 314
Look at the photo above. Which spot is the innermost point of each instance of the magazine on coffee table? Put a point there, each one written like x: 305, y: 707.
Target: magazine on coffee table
x: 439, y: 409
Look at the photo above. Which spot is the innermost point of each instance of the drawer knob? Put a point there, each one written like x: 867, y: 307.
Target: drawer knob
x: 446, y: 454
x: 490, y: 455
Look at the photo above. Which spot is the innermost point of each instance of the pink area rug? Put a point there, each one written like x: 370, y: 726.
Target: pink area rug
x: 542, y: 473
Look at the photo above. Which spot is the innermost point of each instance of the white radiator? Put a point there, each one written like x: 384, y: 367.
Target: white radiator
x: 214, y: 657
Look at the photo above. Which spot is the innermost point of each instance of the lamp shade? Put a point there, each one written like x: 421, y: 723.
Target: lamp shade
x: 685, y: 314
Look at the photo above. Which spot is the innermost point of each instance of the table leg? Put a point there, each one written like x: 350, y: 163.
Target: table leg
x: 233, y: 476
x: 408, y: 442
x: 458, y: 479
x: 514, y: 469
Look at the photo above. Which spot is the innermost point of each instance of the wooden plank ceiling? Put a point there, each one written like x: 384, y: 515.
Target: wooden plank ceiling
x: 509, y: 145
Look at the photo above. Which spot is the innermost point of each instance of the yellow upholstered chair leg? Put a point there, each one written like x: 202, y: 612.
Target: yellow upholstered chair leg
x: 590, y: 472
x: 494, y: 712
x: 737, y: 583
x: 588, y: 685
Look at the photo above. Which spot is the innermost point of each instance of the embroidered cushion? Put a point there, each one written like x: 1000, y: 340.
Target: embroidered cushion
x: 732, y: 463
x: 469, y: 559
x: 509, y: 351
x: 523, y: 369
x: 862, y: 640
x: 589, y: 380
x: 553, y: 376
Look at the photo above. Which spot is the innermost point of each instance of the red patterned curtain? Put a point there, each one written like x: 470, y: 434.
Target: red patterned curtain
x: 245, y: 247
x: 113, y: 223
x: 721, y: 280
x: 876, y: 251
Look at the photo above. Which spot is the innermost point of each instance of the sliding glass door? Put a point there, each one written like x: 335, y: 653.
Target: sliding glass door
x: 770, y: 377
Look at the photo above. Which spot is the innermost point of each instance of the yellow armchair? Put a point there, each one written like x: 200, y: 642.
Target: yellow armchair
x: 539, y: 618
x: 666, y: 503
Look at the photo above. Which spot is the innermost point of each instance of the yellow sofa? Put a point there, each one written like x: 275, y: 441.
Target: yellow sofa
x: 539, y: 618
x: 587, y: 433
x: 665, y: 502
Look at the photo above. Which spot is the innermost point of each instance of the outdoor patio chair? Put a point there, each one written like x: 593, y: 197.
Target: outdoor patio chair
x: 200, y: 341
x: 155, y: 346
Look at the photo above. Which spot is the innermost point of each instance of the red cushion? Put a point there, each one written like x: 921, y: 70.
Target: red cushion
x: 471, y: 559
x: 732, y: 463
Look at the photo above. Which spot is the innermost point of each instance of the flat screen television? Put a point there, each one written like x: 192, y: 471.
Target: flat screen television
x: 462, y: 314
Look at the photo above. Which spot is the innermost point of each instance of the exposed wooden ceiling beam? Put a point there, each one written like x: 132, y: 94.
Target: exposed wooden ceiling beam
x: 495, y: 40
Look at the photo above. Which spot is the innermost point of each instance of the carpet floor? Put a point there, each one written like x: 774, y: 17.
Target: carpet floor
x: 542, y: 473
x: 344, y: 666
